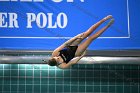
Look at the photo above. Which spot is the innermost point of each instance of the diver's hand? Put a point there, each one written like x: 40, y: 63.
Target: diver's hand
x: 80, y: 36
x: 84, y: 53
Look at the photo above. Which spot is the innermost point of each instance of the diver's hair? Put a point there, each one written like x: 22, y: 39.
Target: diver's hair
x: 52, y: 62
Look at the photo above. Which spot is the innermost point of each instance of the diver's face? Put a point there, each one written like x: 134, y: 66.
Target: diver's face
x: 57, y: 59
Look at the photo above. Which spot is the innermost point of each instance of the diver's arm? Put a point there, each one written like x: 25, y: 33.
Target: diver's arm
x: 72, y: 62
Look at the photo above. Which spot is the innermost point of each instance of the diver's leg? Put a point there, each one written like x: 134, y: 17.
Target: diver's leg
x: 82, y: 47
x: 90, y: 30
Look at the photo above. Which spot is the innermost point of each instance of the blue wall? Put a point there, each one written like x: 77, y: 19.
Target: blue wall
x: 124, y: 34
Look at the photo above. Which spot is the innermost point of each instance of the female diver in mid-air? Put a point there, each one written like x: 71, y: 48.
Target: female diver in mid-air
x: 73, y: 50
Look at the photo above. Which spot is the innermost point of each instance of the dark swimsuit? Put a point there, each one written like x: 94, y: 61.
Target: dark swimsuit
x: 68, y: 53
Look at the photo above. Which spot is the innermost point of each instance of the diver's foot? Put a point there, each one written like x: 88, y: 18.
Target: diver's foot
x: 111, y: 22
x: 108, y: 17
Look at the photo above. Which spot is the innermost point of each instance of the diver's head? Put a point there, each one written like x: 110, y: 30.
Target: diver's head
x: 52, y: 62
